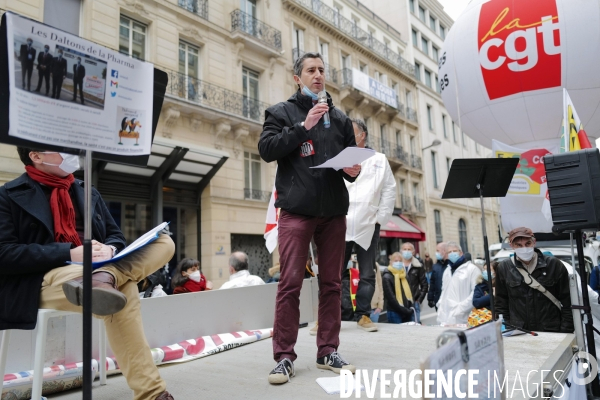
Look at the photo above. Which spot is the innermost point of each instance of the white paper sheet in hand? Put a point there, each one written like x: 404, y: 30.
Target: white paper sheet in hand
x: 347, y: 158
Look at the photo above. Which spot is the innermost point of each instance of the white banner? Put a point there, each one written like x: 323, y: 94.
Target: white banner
x: 522, y: 205
x: 115, y: 113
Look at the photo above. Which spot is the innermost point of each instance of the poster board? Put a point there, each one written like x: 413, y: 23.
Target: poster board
x: 485, y: 353
x: 123, y: 96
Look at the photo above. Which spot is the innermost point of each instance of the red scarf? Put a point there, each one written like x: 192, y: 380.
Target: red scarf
x: 193, y: 286
x: 61, y: 205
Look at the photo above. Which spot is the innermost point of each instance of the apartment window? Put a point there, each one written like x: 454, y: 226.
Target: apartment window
x: 416, y: 194
x: 428, y: 78
x: 250, y: 91
x: 414, y: 38
x: 418, y: 71
x: 434, y: 53
x: 434, y: 170
x: 363, y: 68
x: 411, y: 4
x: 421, y: 13
x: 252, y: 176
x: 399, y: 138
x: 464, y: 139
x: 346, y: 62
x: 376, y: 76
x: 132, y: 38
x: 432, y: 23
x: 63, y: 13
x: 248, y: 7
x: 298, y: 41
x: 438, y: 226
x: 337, y: 11
x: 324, y: 50
x: 425, y: 45
x: 409, y: 101
x: 383, y: 138
x: 462, y: 234
x: 442, y: 31
x: 444, y: 126
x: 430, y: 117
x: 402, y: 189
x: 438, y: 86
x: 454, y: 132
x: 413, y: 149
x: 395, y: 87
x: 188, y: 68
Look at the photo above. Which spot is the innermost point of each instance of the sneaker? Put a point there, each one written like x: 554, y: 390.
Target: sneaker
x: 282, y: 372
x: 335, y: 363
x: 313, y: 331
x: 366, y: 324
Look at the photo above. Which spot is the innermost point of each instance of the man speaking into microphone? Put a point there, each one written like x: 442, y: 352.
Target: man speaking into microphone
x: 300, y: 133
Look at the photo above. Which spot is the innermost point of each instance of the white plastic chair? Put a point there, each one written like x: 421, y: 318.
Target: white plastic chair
x: 40, y: 350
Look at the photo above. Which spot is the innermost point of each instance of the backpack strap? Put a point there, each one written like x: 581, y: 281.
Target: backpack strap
x: 536, y: 285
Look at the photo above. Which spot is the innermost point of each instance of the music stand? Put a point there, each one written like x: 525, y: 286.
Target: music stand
x: 481, y: 177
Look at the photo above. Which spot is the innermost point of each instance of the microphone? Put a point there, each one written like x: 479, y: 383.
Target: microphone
x: 322, y: 96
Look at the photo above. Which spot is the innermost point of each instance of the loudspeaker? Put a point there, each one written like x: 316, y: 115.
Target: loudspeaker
x: 574, y: 189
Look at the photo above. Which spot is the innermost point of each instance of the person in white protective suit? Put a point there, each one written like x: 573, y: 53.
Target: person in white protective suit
x: 458, y: 284
x: 372, y: 199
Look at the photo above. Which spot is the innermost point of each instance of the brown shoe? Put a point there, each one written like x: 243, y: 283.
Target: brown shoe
x: 165, y: 396
x: 366, y: 324
x: 106, y: 298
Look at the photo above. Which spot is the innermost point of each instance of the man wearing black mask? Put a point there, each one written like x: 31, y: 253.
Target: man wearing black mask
x: 44, y: 64
x: 78, y: 75
x: 27, y: 58
x: 59, y: 71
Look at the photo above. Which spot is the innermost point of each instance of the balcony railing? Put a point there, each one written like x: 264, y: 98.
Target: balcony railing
x: 391, y: 150
x: 209, y: 95
x: 330, y: 72
x: 419, y: 205
x: 256, y: 194
x: 415, y: 162
x: 243, y: 22
x: 198, y: 7
x: 405, y: 203
x: 411, y: 114
x: 351, y: 29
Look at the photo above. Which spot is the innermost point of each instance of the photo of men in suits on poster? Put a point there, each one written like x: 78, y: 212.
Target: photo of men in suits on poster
x: 60, y: 73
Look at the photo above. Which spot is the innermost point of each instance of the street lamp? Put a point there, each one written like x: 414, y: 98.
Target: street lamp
x: 436, y: 142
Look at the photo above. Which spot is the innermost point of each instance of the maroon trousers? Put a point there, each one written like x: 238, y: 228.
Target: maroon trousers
x: 295, y: 233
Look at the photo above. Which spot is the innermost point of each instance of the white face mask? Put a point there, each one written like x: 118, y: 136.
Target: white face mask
x: 195, y: 276
x: 69, y: 164
x: 524, y: 253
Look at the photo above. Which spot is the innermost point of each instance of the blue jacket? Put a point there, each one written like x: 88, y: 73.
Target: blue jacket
x: 435, y: 282
x: 481, y: 296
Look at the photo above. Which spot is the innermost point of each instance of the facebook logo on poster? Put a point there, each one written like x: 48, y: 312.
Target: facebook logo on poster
x: 114, y: 73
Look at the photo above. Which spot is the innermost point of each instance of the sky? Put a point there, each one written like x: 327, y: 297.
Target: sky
x: 454, y: 7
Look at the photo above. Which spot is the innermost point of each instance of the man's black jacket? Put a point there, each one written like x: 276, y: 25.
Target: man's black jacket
x: 318, y: 192
x: 528, y: 308
x: 435, y: 281
x: 28, y: 249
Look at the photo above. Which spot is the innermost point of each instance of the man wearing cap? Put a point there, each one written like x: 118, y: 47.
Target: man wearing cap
x: 532, y: 290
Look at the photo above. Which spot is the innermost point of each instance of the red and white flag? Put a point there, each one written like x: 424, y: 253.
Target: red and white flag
x: 271, y: 222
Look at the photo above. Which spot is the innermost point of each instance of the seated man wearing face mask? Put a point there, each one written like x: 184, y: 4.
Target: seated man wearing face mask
x: 532, y: 290
x: 41, y: 230
x: 458, y: 285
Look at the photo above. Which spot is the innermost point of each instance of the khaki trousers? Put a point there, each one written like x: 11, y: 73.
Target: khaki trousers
x: 124, y: 329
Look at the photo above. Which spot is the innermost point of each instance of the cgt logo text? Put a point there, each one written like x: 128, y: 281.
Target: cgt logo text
x: 461, y: 384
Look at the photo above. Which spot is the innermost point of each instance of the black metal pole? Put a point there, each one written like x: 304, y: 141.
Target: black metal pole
x: 87, y: 279
x: 589, y: 323
x: 486, y: 250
